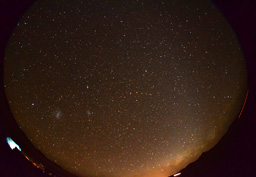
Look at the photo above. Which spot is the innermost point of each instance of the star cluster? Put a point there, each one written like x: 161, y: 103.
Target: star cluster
x: 124, y: 88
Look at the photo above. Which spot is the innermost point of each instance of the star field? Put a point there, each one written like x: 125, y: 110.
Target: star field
x: 124, y: 88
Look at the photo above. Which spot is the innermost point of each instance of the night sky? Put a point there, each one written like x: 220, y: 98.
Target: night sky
x: 124, y: 88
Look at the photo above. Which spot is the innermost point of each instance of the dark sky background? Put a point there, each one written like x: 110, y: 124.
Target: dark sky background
x: 233, y: 156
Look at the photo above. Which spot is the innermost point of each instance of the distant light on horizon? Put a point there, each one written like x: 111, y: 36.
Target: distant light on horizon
x: 12, y: 144
x: 177, y: 174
